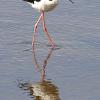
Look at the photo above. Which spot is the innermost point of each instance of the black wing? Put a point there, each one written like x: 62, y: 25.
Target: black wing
x: 31, y: 1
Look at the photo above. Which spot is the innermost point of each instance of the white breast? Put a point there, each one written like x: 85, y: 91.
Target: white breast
x: 45, y: 5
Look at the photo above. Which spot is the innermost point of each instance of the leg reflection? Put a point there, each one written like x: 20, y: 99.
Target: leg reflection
x: 42, y: 67
x: 43, y: 89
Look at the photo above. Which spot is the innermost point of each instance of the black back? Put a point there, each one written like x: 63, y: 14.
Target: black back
x: 31, y: 1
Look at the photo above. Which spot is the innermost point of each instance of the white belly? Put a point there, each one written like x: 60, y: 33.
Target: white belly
x: 45, y: 5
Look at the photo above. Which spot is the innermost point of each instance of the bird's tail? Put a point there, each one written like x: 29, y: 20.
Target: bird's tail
x: 30, y: 1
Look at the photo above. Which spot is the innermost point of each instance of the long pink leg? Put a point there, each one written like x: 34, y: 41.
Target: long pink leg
x: 50, y: 40
x: 35, y: 29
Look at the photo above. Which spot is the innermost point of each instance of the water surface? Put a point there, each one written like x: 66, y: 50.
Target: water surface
x: 74, y: 68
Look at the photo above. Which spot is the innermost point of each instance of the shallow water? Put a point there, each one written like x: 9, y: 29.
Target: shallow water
x: 74, y: 68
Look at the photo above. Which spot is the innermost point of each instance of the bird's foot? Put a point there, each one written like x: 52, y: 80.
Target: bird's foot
x: 53, y: 46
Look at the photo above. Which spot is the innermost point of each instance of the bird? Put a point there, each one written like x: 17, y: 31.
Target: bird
x: 43, y: 6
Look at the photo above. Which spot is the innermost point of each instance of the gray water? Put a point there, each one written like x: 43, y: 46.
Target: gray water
x: 74, y: 68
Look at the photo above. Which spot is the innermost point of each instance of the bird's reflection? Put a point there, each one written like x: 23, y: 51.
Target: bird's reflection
x: 42, y: 68
x: 44, y: 89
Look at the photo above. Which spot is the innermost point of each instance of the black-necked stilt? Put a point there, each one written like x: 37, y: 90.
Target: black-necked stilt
x: 43, y: 6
